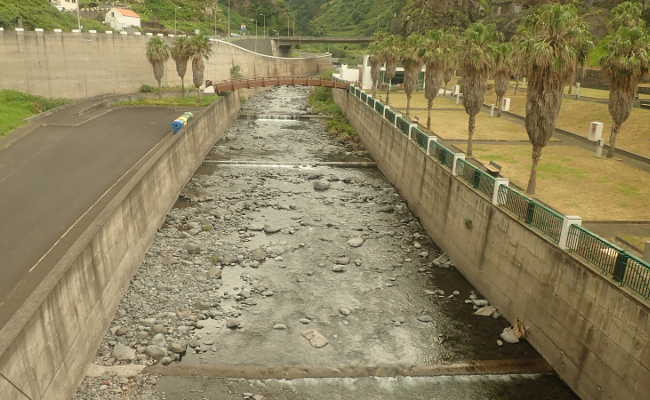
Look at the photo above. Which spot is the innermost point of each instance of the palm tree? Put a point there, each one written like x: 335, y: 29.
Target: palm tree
x: 548, y: 40
x: 201, y: 51
x: 477, y: 63
x: 390, y: 47
x: 411, y: 57
x: 502, y: 72
x: 626, y: 60
x: 157, y: 54
x: 375, y: 72
x: 437, y: 57
x: 376, y: 60
x: 181, y: 52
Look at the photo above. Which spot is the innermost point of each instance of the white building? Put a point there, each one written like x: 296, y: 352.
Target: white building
x: 65, y: 5
x: 121, y: 18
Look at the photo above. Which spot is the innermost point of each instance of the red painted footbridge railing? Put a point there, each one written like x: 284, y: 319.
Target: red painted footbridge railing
x: 229, y: 86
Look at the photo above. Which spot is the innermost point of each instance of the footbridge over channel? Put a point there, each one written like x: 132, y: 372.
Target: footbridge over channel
x: 233, y: 85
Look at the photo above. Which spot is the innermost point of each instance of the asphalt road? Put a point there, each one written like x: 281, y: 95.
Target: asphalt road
x: 49, y: 178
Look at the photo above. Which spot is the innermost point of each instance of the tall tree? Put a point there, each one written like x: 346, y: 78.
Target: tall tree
x: 181, y: 52
x: 477, y: 63
x: 410, y: 56
x: 390, y: 47
x: 376, y: 60
x: 201, y: 51
x: 548, y: 40
x: 502, y: 72
x: 437, y: 57
x: 626, y: 60
x: 157, y: 54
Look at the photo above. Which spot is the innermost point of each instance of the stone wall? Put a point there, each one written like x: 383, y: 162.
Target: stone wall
x: 592, y: 332
x: 46, y: 345
x: 77, y: 65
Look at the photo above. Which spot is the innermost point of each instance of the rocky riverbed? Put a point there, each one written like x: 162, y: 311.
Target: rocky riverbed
x: 292, y: 264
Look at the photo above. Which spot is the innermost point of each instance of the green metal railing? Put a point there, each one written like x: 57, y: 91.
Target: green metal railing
x: 476, y: 177
x: 390, y: 116
x: 442, y: 154
x: 594, y: 249
x: 364, y: 97
x: 637, y: 276
x: 379, y: 107
x: 630, y: 271
x: 403, y: 125
x: 370, y: 101
x: 535, y: 214
x: 421, y: 138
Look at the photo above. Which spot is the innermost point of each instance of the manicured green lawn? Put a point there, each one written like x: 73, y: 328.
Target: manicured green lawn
x: 16, y: 106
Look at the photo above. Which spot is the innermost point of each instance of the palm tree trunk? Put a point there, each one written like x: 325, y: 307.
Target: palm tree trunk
x: 499, y: 105
x: 159, y: 88
x: 183, y: 86
x: 516, y: 86
x: 429, y: 107
x: 471, y: 128
x: 408, y: 104
x: 532, y: 181
x: 388, y: 96
x: 612, y: 140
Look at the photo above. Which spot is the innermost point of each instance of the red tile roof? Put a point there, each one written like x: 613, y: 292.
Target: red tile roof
x: 128, y: 13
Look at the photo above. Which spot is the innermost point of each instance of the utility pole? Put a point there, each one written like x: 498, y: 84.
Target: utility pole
x: 228, y: 18
x: 264, y: 31
x: 288, y: 24
x: 216, y: 7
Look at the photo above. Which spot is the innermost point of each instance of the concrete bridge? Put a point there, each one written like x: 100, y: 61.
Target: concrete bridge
x: 233, y: 85
x: 322, y: 39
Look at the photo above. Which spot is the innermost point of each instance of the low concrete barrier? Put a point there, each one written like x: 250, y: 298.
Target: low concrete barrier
x: 48, y: 343
x: 592, y: 332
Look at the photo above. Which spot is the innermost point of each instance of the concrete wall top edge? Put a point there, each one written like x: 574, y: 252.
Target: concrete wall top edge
x: 91, y: 34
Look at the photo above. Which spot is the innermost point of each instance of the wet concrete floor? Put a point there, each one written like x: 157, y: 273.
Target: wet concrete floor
x: 284, y: 281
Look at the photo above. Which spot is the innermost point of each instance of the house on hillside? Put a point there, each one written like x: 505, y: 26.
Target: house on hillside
x: 122, y: 18
x: 65, y: 5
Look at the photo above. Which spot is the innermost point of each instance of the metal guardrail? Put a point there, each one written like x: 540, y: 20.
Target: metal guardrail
x: 533, y: 213
x: 476, y: 177
x: 403, y: 125
x: 626, y: 269
x: 421, y: 138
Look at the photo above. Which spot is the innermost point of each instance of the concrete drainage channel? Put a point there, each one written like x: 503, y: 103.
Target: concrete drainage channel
x: 280, y: 278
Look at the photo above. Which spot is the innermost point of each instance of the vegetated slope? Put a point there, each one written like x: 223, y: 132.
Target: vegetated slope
x: 356, y: 18
x: 40, y: 14
x: 16, y: 106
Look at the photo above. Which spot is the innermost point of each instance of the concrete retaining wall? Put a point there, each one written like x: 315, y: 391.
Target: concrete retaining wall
x: 593, y: 333
x: 77, y: 65
x: 49, y: 342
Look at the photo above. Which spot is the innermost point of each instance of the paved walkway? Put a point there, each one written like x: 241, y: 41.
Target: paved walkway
x: 51, y: 176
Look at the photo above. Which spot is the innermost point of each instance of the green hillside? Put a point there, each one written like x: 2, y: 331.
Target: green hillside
x: 357, y: 18
x: 40, y: 14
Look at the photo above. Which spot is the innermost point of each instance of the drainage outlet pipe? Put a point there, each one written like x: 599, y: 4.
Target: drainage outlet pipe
x: 179, y: 123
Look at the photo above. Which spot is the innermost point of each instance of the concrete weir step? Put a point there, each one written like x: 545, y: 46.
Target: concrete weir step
x: 488, y: 367
x: 473, y: 387
x: 283, y: 117
x: 312, y: 164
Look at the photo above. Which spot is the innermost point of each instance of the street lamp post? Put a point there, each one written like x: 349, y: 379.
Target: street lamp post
x: 228, y: 18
